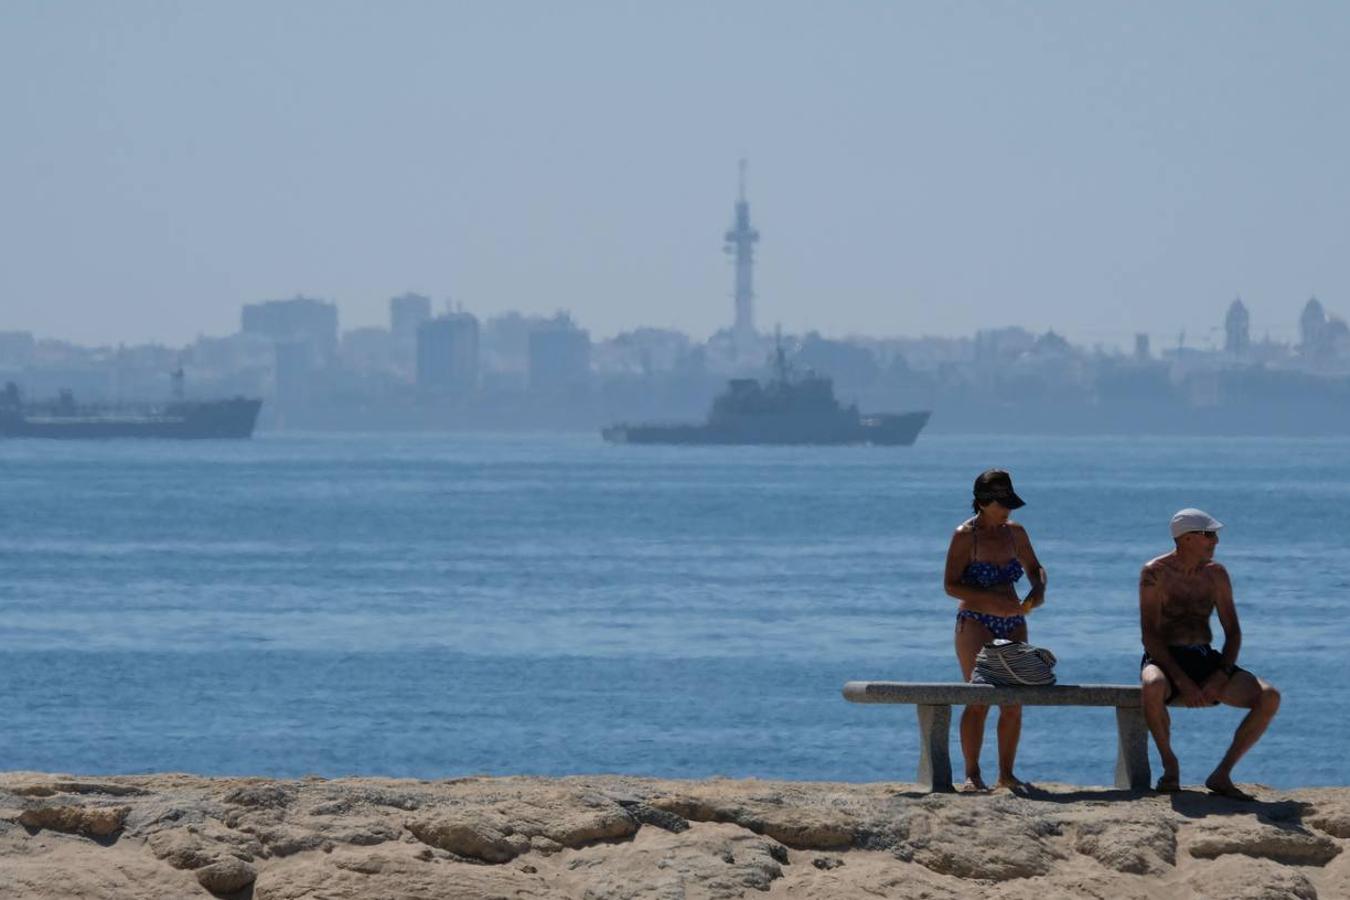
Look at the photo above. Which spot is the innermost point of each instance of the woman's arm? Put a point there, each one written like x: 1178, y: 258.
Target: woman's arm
x: 1000, y: 600
x: 1026, y: 555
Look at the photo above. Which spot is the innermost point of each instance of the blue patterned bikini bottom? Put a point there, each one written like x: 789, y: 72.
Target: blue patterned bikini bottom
x: 999, y: 626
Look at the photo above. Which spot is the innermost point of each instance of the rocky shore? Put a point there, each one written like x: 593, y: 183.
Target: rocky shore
x: 179, y: 836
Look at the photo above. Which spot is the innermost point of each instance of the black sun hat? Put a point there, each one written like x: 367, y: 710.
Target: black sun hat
x: 996, y: 485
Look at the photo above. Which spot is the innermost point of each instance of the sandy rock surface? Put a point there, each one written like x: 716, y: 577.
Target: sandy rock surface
x: 614, y: 838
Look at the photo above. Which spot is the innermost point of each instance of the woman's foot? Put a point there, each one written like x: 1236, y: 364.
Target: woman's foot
x: 1169, y: 783
x: 974, y: 785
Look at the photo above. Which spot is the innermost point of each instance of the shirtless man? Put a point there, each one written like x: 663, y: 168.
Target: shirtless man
x: 1177, y: 594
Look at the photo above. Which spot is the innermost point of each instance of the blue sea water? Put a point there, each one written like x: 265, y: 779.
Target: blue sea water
x: 444, y: 605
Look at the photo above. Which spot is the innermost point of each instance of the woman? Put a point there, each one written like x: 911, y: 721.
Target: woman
x: 988, y: 555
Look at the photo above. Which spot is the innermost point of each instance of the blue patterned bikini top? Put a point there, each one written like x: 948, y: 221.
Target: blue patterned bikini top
x: 987, y: 574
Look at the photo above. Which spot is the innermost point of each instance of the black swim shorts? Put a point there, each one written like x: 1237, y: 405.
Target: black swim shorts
x: 1198, y: 661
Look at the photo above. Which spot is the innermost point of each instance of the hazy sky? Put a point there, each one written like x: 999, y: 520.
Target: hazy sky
x: 915, y: 168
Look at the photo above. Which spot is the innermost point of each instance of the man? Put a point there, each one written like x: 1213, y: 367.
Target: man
x: 1177, y: 594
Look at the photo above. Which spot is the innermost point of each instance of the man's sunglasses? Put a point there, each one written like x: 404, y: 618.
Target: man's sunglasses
x: 1208, y: 534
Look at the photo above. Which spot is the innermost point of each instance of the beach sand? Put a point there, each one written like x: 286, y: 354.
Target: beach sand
x: 611, y: 837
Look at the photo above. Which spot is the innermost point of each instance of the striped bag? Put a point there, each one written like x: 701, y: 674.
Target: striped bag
x: 1013, y: 664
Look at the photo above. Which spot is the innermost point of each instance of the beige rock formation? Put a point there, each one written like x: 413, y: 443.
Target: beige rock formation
x: 615, y: 838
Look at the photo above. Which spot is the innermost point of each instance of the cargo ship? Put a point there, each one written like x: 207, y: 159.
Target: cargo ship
x: 787, y: 409
x: 179, y: 419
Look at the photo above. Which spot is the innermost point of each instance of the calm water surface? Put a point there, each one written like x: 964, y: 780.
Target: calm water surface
x: 435, y: 606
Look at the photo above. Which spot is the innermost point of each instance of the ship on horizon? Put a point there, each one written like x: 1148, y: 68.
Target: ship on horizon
x: 784, y: 410
x: 232, y: 418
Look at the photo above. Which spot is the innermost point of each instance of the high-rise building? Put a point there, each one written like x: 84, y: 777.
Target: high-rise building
x: 293, y: 374
x: 560, y: 355
x: 407, y: 312
x: 1237, y: 339
x: 300, y: 320
x: 447, y: 353
x: 1312, y: 326
x: 740, y: 245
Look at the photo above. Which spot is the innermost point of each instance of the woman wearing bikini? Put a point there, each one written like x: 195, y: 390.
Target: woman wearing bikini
x: 988, y: 555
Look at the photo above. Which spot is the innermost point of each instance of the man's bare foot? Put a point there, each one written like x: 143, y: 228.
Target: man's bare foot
x: 974, y: 785
x: 1224, y: 787
x: 1015, y: 784
x: 1169, y: 783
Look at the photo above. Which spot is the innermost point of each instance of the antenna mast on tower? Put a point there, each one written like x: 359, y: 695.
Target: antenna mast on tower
x: 740, y: 244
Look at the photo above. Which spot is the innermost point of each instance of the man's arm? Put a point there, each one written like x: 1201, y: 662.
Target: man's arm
x: 1152, y: 595
x: 1228, y: 616
x: 1214, y: 685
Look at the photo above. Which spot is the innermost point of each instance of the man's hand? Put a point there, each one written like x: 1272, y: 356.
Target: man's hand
x: 1213, y: 687
x: 1190, y: 693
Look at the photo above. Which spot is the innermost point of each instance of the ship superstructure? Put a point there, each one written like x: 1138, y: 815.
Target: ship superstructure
x: 789, y: 408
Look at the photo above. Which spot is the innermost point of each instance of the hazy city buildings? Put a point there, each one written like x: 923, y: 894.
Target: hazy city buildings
x: 560, y: 355
x: 407, y: 312
x: 1323, y: 337
x: 370, y: 349
x: 1237, y: 333
x: 300, y: 320
x: 522, y: 371
x: 526, y: 371
x: 447, y: 354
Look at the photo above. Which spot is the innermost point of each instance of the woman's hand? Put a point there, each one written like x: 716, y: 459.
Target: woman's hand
x: 1034, y: 600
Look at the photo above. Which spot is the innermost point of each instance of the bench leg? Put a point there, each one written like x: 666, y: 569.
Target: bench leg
x: 1132, y: 752
x: 935, y: 764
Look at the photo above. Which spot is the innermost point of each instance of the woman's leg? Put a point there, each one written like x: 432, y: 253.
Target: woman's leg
x: 1009, y: 733
x: 970, y: 637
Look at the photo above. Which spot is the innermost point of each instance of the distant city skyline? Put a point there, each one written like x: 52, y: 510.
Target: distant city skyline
x: 914, y: 169
x: 1212, y: 337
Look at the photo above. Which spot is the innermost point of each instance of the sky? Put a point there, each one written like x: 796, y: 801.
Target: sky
x: 914, y: 168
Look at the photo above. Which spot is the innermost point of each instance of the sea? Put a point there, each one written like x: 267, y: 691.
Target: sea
x: 436, y: 606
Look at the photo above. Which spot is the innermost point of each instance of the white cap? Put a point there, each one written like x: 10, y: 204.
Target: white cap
x: 1189, y: 519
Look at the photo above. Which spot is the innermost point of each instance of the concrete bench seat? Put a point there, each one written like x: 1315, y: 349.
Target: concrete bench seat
x: 935, y: 701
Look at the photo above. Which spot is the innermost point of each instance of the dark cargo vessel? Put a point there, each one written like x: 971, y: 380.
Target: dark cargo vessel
x: 179, y: 419
x: 785, y: 410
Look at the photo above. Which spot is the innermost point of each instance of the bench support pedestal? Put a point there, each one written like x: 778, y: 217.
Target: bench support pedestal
x: 1132, y: 772
x: 935, y: 762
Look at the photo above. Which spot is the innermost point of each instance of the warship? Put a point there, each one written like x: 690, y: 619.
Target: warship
x: 787, y: 409
x: 181, y: 419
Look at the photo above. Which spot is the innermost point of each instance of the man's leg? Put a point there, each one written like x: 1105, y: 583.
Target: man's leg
x: 1155, y: 691
x: 1246, y: 691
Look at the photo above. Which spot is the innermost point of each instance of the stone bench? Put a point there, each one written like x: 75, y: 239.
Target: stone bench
x: 935, y: 701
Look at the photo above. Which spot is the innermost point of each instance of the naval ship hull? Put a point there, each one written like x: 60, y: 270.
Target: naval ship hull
x: 890, y: 430
x: 217, y: 419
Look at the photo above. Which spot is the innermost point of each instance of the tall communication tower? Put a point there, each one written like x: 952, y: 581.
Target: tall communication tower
x: 740, y: 243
